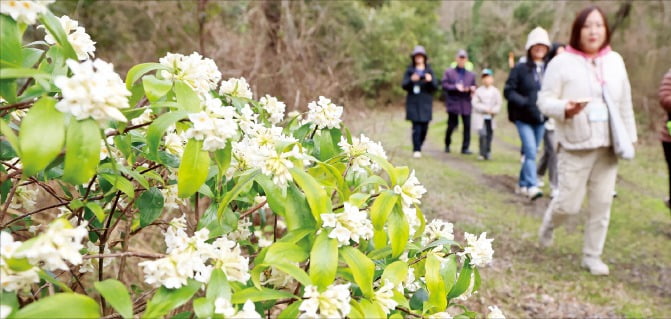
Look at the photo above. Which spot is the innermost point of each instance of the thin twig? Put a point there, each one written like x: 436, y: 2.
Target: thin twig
x: 32, y: 213
x: 406, y: 310
x: 253, y: 209
x: 125, y: 254
x: 126, y: 130
x: 8, y: 201
x: 18, y: 106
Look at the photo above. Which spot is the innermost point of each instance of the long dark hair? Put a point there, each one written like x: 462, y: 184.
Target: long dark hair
x: 579, y: 22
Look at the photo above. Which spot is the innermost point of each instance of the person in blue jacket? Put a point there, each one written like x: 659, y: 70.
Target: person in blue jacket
x: 420, y: 84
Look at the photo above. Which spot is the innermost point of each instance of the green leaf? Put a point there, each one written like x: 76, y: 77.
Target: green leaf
x: 296, y: 235
x: 10, y: 46
x: 82, y: 151
x: 62, y: 305
x: 218, y: 286
x: 203, y: 307
x: 167, y: 299
x: 323, y: 260
x: 97, y: 210
x: 9, y: 299
x: 18, y: 264
x: 155, y: 88
x: 283, y: 252
x: 8, y: 133
x: 157, y: 128
x: 319, y: 201
x: 193, y: 169
x: 291, y: 311
x: 223, y: 158
x: 326, y: 144
x: 262, y: 294
x: 294, y: 271
x: 136, y: 72
x: 292, y: 206
x: 380, y: 253
x: 243, y: 182
x: 395, y: 272
x: 372, y: 309
x: 386, y: 166
x: 362, y: 268
x: 56, y: 29
x: 187, y: 99
x: 449, y: 272
x: 434, y: 284
x: 418, y: 298
x: 337, y: 175
x: 463, y: 282
x: 399, y: 231
x: 17, y: 73
x: 116, y: 294
x: 120, y: 183
x: 41, y: 136
x: 150, y: 203
x: 381, y: 208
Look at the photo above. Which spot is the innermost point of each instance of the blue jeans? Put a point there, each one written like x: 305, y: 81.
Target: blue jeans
x: 531, y: 136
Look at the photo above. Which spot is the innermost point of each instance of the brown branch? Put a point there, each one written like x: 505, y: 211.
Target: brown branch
x: 18, y: 106
x: 125, y: 254
x: 32, y: 213
x: 130, y: 128
x: 8, y: 201
x: 406, y: 310
x: 253, y: 209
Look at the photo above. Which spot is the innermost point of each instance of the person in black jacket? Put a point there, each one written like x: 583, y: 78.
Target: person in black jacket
x: 420, y: 84
x: 521, y: 91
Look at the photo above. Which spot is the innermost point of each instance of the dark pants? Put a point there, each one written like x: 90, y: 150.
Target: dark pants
x: 453, y: 123
x: 548, y: 161
x: 667, y: 156
x: 486, y: 135
x: 419, y: 130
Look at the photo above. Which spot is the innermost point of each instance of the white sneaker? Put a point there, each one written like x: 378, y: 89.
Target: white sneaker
x: 534, y: 193
x: 595, y: 265
x: 481, y: 158
x: 519, y: 190
x: 540, y: 184
x: 416, y: 154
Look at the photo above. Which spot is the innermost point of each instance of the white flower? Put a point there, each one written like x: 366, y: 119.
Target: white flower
x: 414, y: 223
x: 324, y: 113
x: 332, y: 303
x: 170, y: 199
x: 262, y: 240
x: 236, y: 87
x: 224, y: 307
x: 440, y: 315
x: 5, y: 311
x: 479, y: 249
x: 94, y: 90
x: 357, y: 152
x: 242, y: 232
x: 227, y: 256
x: 437, y: 229
x: 384, y: 297
x: 81, y: 42
x: 274, y: 108
x: 89, y: 265
x: 200, y: 73
x: 276, y: 165
x: 211, y: 130
x: 164, y: 271
x: 495, y: 313
x: 276, y: 278
x: 145, y: 117
x: 12, y: 280
x: 410, y: 282
x: 350, y: 224
x: 24, y: 11
x: 411, y: 191
x: 58, y: 244
x: 174, y: 144
x: 24, y: 197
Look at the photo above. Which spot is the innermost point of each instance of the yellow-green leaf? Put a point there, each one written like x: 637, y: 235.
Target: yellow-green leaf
x: 82, y: 151
x: 41, y: 136
x: 193, y: 169
x: 323, y: 260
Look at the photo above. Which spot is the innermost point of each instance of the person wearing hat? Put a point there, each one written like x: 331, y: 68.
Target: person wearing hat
x: 420, y: 84
x: 521, y: 91
x: 459, y: 85
x: 486, y: 104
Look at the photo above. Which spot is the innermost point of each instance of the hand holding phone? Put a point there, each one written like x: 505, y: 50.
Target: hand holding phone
x: 575, y: 107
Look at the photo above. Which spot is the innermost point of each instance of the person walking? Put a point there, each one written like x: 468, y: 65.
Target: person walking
x: 420, y: 84
x: 665, y: 134
x: 521, y: 91
x: 486, y: 104
x: 459, y: 85
x: 548, y: 160
x: 587, y: 92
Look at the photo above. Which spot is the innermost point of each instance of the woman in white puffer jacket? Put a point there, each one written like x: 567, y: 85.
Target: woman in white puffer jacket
x: 587, y: 165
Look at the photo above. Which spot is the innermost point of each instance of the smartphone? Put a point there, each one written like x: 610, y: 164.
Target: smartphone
x: 582, y: 102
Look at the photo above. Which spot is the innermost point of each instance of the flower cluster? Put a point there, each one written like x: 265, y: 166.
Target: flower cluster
x: 357, y: 151
x: 384, y: 296
x: 236, y: 87
x: 495, y: 313
x: 25, y: 11
x: 351, y: 224
x: 80, y: 40
x: 192, y: 257
x: 94, y: 90
x: 24, y: 197
x: 437, y: 229
x: 411, y: 191
x: 332, y: 303
x: 214, y: 126
x: 479, y: 249
x: 224, y: 307
x: 274, y: 107
x: 60, y: 243
x: 324, y: 113
x: 10, y: 279
x: 200, y: 73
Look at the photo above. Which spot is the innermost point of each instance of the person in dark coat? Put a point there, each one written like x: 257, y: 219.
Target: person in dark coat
x: 521, y: 91
x: 420, y: 84
x: 459, y: 85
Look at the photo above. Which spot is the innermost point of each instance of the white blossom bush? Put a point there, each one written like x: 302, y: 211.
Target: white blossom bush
x: 259, y: 214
